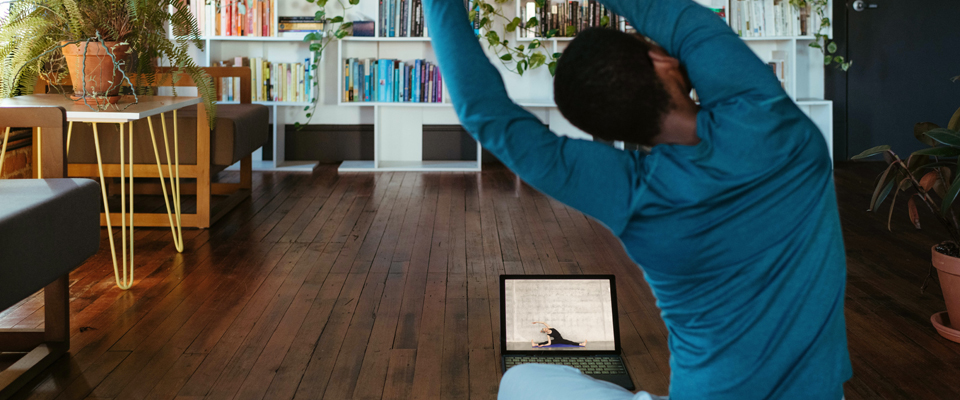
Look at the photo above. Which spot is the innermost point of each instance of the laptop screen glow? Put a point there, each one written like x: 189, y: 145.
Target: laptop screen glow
x: 578, y: 312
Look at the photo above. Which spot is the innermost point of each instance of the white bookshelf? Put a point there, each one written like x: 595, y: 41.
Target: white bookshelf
x: 398, y: 126
x: 280, y: 47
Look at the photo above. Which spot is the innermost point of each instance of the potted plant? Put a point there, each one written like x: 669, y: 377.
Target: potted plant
x: 105, y: 43
x: 930, y: 180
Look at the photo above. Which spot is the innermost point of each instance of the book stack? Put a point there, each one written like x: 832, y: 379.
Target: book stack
x: 391, y: 81
x: 767, y: 18
x: 569, y: 18
x: 299, y: 24
x: 233, y: 17
x: 402, y: 18
x: 271, y: 81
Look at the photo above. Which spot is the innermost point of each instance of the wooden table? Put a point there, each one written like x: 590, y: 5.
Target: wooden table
x: 124, y: 114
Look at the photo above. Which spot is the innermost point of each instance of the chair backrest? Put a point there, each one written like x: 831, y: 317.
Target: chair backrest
x: 52, y: 122
x: 166, y: 79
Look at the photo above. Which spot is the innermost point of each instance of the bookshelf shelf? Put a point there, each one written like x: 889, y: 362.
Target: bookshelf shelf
x: 384, y: 39
x: 776, y: 38
x: 254, y: 38
x: 391, y: 104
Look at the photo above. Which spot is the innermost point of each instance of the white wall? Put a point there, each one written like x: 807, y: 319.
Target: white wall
x: 579, y: 308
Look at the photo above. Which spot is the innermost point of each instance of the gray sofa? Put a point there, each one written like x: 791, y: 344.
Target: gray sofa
x: 48, y: 227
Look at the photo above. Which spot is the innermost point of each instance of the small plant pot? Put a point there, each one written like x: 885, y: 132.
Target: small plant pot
x: 948, y: 271
x: 96, y: 80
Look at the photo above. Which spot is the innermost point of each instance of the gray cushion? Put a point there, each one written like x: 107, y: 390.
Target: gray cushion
x: 48, y: 227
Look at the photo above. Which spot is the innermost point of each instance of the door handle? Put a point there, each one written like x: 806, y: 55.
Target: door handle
x: 860, y: 5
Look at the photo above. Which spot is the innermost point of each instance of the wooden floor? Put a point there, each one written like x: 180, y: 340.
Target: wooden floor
x: 385, y: 286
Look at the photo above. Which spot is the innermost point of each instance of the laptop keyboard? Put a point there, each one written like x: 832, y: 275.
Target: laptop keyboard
x: 587, y: 365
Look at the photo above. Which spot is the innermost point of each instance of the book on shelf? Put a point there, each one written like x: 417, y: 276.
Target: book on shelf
x: 567, y: 18
x: 270, y: 81
x: 391, y: 81
x: 363, y: 28
x: 769, y: 18
x: 233, y: 17
x: 401, y: 18
x: 778, y: 65
x: 299, y: 24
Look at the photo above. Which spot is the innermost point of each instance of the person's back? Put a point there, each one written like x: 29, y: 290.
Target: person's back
x: 737, y: 232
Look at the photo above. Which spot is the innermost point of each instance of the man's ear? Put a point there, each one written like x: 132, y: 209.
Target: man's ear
x: 660, y: 57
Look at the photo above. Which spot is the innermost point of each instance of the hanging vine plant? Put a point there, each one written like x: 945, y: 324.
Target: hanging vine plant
x: 319, y: 42
x: 821, y: 40
x: 517, y: 59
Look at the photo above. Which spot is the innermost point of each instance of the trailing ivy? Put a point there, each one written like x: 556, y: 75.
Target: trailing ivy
x: 319, y: 42
x: 821, y: 40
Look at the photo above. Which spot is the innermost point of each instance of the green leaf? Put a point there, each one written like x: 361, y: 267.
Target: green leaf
x: 945, y: 136
x: 532, y: 22
x: 309, y: 115
x: 540, y: 3
x: 506, y: 57
x: 336, y: 19
x: 314, y: 46
x: 604, y: 21
x: 950, y: 196
x: 883, y: 195
x: 882, y: 186
x: 341, y: 34
x: 520, y: 48
x: 814, y: 45
x: 832, y: 47
x: 354, y: 2
x: 493, y: 36
x: 825, y: 22
x: 552, y: 67
x: 312, y: 36
x: 571, y: 31
x: 322, y: 3
x: 827, y: 60
x: 536, y: 60
x: 871, y: 152
x: 845, y: 66
x: 955, y: 121
x: 319, y: 15
x: 472, y: 16
x: 486, y: 7
x: 520, y: 68
x: 938, y: 152
x: 922, y: 127
x: 484, y: 21
x: 553, y: 32
x: 306, y: 108
x: 346, y: 25
x: 556, y: 56
x: 536, y: 43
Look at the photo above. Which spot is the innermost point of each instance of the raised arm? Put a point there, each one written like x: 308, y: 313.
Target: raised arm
x: 720, y: 65
x: 544, y: 324
x: 591, y: 177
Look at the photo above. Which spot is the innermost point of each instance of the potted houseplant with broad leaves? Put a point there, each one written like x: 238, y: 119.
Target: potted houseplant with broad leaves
x: 104, y: 44
x: 930, y: 181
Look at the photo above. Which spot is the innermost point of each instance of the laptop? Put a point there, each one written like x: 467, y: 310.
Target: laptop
x: 563, y: 320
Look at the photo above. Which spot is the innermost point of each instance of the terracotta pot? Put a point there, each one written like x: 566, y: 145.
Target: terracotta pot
x: 948, y: 270
x: 92, y: 67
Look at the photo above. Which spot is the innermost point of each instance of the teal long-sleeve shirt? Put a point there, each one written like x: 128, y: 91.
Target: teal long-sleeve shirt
x: 738, y: 236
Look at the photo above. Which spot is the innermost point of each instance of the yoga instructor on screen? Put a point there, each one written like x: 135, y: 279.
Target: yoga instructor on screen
x: 554, y: 337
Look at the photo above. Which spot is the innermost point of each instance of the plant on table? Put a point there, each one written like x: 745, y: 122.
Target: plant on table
x: 131, y: 33
x: 930, y: 180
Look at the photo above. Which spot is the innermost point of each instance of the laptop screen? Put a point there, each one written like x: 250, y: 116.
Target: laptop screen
x: 558, y: 313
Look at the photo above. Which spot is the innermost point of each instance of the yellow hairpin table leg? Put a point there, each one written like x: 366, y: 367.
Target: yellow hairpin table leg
x: 123, y: 279
x: 176, y: 227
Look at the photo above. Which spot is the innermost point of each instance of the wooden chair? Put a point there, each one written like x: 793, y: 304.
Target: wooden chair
x: 201, y: 156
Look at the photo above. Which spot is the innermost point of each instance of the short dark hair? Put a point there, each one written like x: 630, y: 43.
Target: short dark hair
x: 605, y: 84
